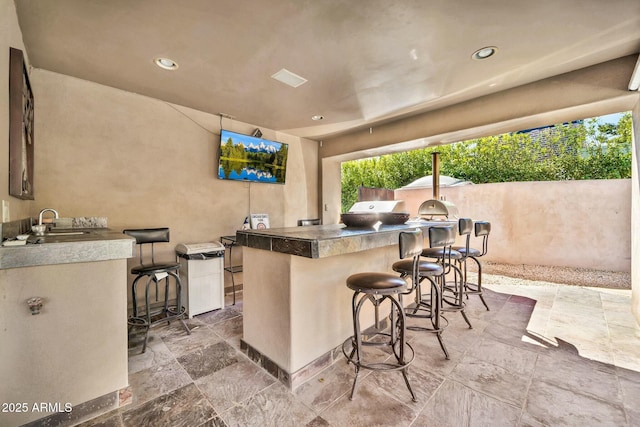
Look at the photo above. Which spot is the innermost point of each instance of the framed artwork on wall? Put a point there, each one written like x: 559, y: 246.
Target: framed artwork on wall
x: 21, y: 123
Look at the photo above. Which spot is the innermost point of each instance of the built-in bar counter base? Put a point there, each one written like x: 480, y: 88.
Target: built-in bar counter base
x: 297, y: 307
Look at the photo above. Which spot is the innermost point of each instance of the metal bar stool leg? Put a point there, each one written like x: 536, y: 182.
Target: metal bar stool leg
x: 396, y: 306
x: 166, y: 298
x: 457, y: 304
x: 233, y: 280
x: 133, y: 295
x: 357, y: 344
x: 478, y: 288
x: 134, y: 321
x: 179, y: 310
x: 436, y: 319
x: 147, y: 314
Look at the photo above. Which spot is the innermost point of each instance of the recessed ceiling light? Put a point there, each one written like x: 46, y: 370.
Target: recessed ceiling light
x: 166, y: 63
x: 287, y: 77
x: 484, y: 53
x: 317, y: 117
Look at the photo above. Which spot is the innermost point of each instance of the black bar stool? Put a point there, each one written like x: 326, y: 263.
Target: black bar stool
x: 450, y: 260
x: 427, y: 306
x: 230, y: 242
x: 377, y: 288
x: 482, y: 230
x: 155, y: 272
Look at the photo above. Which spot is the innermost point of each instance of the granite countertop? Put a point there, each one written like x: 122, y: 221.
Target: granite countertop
x: 77, y: 245
x: 319, y: 241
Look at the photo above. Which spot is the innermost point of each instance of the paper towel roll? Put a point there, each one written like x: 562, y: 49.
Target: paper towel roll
x: 160, y: 276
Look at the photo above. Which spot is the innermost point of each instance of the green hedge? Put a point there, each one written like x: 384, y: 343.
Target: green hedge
x: 570, y: 151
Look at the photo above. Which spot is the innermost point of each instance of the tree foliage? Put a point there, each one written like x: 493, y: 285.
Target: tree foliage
x: 570, y: 151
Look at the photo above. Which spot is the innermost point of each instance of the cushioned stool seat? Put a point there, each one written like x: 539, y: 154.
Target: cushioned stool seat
x: 441, y: 253
x: 471, y: 252
x: 384, y: 283
x: 424, y: 267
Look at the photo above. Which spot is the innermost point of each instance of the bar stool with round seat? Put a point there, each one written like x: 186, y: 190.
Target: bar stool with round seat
x: 378, y: 287
x: 427, y: 306
x: 482, y: 230
x: 154, y: 272
x: 450, y: 260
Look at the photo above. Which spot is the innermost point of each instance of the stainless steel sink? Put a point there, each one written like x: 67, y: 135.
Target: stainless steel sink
x: 62, y: 236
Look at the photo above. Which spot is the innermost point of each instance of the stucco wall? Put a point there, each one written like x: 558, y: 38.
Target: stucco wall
x: 584, y: 224
x: 10, y: 36
x: 142, y: 162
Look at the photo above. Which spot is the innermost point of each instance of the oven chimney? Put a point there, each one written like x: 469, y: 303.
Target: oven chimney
x: 436, y: 207
x: 435, y: 175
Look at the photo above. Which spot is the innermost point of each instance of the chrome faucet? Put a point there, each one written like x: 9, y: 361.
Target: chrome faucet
x: 55, y: 213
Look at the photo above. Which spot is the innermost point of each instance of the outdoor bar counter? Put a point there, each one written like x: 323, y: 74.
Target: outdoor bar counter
x: 297, y: 307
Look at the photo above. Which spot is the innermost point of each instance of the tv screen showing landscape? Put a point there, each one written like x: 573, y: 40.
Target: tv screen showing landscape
x: 248, y: 158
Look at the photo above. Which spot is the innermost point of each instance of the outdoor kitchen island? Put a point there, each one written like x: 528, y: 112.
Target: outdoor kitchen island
x: 297, y: 307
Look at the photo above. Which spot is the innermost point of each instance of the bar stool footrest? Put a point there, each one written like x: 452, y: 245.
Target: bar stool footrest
x: 434, y: 329
x: 472, y: 289
x: 157, y: 317
x: 415, y: 313
x: 452, y: 305
x: 137, y: 322
x: 376, y: 366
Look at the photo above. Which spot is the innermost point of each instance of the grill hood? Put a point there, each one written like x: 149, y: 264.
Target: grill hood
x: 378, y: 206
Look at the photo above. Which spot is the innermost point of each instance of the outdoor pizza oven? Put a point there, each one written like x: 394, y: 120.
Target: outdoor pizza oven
x: 437, y: 208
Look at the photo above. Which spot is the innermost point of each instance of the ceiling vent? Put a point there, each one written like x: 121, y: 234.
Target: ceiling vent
x: 287, y: 77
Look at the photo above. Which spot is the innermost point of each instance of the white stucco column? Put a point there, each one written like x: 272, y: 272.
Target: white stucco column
x: 331, y: 191
x: 635, y: 217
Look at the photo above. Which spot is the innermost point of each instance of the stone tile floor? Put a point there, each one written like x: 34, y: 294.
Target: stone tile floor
x: 545, y: 355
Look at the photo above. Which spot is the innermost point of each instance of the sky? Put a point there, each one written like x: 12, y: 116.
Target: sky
x: 610, y: 118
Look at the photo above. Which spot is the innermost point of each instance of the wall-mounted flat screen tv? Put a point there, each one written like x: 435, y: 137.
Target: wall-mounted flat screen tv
x: 248, y: 158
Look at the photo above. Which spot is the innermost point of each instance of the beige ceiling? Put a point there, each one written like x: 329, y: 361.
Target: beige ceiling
x: 366, y: 61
